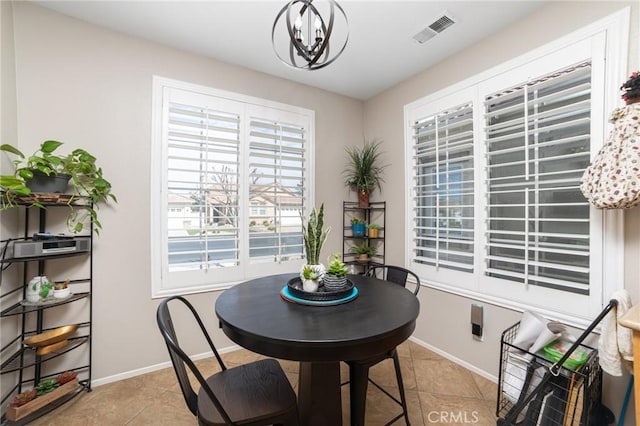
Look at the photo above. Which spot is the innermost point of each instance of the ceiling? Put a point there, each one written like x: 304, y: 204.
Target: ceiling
x: 380, y: 52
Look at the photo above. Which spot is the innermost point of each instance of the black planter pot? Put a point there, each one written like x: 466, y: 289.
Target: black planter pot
x: 53, y: 183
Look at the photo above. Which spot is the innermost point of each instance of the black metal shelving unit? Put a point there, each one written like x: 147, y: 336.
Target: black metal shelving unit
x: 375, y: 212
x: 20, y: 362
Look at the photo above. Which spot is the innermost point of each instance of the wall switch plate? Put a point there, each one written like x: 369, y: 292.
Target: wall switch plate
x: 477, y: 321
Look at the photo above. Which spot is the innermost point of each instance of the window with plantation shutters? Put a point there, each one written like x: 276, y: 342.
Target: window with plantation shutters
x: 232, y: 180
x: 203, y: 150
x: 444, y: 189
x: 276, y: 184
x: 537, y: 139
x: 494, y: 164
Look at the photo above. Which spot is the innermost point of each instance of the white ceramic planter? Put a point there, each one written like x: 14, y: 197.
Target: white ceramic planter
x: 310, y: 286
x: 62, y: 293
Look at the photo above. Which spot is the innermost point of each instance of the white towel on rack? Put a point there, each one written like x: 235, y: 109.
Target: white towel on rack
x: 615, y: 347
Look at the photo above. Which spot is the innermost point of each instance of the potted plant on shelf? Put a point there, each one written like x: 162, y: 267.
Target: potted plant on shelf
x: 336, y: 276
x: 41, y: 171
x: 61, y: 290
x: 357, y: 227
x: 314, y: 235
x: 364, y: 171
x: 364, y: 251
x: 373, y: 230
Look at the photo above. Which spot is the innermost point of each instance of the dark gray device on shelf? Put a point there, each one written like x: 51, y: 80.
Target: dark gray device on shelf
x: 49, y: 247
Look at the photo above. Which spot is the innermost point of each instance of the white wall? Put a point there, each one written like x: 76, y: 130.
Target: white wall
x: 8, y: 134
x: 384, y: 118
x: 90, y: 87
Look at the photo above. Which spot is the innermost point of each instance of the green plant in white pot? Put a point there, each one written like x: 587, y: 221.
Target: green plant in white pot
x: 314, y: 235
x: 310, y: 279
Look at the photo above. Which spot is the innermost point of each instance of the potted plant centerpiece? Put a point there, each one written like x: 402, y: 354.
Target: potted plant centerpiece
x: 357, y: 227
x: 39, y: 172
x: 336, y: 276
x: 310, y: 279
x: 314, y: 235
x: 364, y: 171
x: 363, y: 251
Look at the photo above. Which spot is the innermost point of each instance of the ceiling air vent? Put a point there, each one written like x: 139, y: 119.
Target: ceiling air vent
x: 436, y: 27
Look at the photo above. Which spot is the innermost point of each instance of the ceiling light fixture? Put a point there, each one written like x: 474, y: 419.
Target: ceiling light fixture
x: 308, y: 33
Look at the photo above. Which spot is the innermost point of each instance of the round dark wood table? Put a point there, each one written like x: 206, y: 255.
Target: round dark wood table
x: 254, y: 316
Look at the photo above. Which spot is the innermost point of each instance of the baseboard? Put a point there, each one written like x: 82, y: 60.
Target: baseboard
x: 455, y: 359
x: 156, y: 367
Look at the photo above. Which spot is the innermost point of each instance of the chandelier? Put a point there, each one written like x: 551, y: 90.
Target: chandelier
x: 309, y: 33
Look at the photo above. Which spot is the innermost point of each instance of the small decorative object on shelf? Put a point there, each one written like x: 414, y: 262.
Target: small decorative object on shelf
x: 358, y: 227
x: 35, y: 287
x: 45, y: 392
x: 363, y: 172
x: 52, y: 336
x: 61, y: 290
x: 314, y: 235
x: 373, y: 230
x: 336, y: 276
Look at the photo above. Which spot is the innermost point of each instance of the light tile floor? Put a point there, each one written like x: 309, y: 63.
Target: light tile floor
x: 438, y: 391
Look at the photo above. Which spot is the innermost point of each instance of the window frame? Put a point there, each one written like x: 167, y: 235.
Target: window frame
x: 612, y: 31
x: 216, y: 279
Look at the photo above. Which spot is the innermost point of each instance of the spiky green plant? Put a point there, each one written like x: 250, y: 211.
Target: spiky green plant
x: 364, y: 171
x: 336, y: 266
x: 314, y: 235
x: 309, y: 274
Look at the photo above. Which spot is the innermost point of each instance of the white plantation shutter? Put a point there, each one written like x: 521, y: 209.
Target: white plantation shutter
x: 537, y: 145
x: 202, y: 187
x: 443, y: 186
x: 496, y: 213
x: 232, y: 175
x: 276, y: 190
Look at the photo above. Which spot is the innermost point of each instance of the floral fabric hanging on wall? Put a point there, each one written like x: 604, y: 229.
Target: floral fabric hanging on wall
x: 612, y: 181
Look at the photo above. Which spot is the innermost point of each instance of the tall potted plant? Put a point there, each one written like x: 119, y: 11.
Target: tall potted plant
x: 314, y: 235
x: 77, y: 174
x: 364, y: 171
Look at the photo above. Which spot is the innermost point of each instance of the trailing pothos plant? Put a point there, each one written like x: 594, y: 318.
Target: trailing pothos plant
x: 87, y: 182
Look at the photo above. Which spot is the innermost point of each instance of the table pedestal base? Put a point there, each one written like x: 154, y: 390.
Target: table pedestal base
x: 319, y: 398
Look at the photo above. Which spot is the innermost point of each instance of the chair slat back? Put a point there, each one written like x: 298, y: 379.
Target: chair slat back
x: 181, y: 360
x: 394, y: 274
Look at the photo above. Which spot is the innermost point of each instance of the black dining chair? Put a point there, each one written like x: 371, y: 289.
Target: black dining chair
x: 396, y: 275
x: 257, y: 393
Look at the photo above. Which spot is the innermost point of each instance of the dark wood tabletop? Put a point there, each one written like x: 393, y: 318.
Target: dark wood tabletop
x: 254, y: 315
